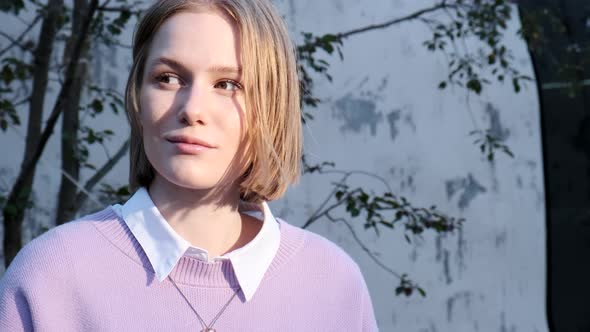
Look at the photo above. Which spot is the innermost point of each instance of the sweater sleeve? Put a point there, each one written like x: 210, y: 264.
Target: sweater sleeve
x: 35, y: 291
x: 15, y: 314
x: 15, y: 311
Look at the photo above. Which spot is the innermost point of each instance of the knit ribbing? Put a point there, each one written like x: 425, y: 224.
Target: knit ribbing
x: 190, y: 271
x: 117, y: 233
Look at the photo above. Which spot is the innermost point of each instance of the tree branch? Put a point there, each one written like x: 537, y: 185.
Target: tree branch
x: 358, y: 172
x: 106, y: 8
x: 113, y: 9
x: 387, y: 24
x: 104, y: 170
x: 105, y: 4
x: 63, y: 94
x: 318, y: 213
x: 363, y: 246
x: 18, y: 40
x: 13, y: 42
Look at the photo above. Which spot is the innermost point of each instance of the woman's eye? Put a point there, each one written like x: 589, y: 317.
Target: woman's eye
x: 228, y: 85
x: 168, y: 79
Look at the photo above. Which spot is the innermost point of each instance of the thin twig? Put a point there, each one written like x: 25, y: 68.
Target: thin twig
x: 105, y: 4
x: 387, y: 24
x: 119, y: 44
x: 20, y: 102
x: 113, y: 9
x: 18, y: 39
x: 359, y: 172
x: 320, y: 211
x: 363, y: 246
x: 316, y: 214
x: 100, y: 173
x: 14, y: 42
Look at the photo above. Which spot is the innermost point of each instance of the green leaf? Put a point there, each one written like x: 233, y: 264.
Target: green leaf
x: 474, y: 85
x: 113, y: 29
x: 13, y: 6
x: 386, y: 224
x: 328, y: 48
x: 331, y: 38
x: 96, y: 105
x: 123, y: 191
x: 87, y: 165
x: 507, y: 151
x: 421, y: 291
x: 364, y: 198
x: 114, y: 108
x: 516, y: 85
x: 7, y: 74
x: 407, y: 238
x: 491, y: 58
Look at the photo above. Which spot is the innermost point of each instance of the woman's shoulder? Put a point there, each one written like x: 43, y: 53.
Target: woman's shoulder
x: 319, y: 251
x: 49, y: 253
x: 78, y: 231
x: 322, y: 270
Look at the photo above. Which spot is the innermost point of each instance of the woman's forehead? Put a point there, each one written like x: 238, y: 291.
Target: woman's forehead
x: 197, y: 38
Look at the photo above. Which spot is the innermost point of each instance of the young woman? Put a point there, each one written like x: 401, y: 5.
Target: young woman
x: 213, y: 104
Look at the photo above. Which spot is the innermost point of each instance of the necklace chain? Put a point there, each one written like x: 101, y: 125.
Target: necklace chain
x: 206, y: 327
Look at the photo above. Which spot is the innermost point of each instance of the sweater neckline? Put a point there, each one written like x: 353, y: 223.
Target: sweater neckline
x: 190, y: 271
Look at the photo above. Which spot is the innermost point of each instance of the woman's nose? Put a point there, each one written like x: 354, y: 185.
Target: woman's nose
x: 192, y: 106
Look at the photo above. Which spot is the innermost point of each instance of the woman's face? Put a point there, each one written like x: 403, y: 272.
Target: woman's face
x: 191, y: 100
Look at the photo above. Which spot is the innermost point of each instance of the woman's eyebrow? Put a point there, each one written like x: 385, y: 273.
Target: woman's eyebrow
x: 218, y: 69
x: 225, y: 70
x: 169, y: 62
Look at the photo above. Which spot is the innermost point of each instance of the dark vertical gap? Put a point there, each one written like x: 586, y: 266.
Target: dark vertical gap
x: 549, y: 245
x: 565, y: 140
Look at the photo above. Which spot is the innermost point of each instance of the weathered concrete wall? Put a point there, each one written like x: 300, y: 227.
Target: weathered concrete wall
x: 383, y: 114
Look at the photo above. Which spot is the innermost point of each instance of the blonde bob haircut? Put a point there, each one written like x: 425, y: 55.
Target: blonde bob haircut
x: 272, y: 141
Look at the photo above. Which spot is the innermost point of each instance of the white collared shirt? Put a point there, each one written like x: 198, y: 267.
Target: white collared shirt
x: 164, y: 247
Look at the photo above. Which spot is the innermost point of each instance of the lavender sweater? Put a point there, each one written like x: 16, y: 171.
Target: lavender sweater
x: 92, y: 275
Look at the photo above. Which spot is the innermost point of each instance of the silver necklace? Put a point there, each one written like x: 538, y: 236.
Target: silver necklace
x: 206, y: 327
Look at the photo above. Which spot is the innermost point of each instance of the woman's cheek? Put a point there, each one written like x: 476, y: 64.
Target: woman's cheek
x: 154, y: 105
x: 237, y: 121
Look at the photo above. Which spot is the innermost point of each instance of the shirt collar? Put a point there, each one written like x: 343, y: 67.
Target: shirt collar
x: 164, y: 247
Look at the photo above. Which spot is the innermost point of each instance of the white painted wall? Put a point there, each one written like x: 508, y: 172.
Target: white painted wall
x: 384, y: 114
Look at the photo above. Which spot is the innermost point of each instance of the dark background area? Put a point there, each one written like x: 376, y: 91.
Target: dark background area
x: 566, y: 143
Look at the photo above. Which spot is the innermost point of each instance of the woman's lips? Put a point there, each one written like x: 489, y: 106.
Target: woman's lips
x: 189, y: 145
x: 189, y: 148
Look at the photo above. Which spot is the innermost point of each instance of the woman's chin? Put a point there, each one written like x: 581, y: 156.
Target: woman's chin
x: 192, y: 177
x: 187, y: 179
x: 193, y: 183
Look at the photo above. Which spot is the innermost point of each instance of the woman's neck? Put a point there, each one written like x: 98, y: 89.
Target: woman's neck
x: 215, y: 225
